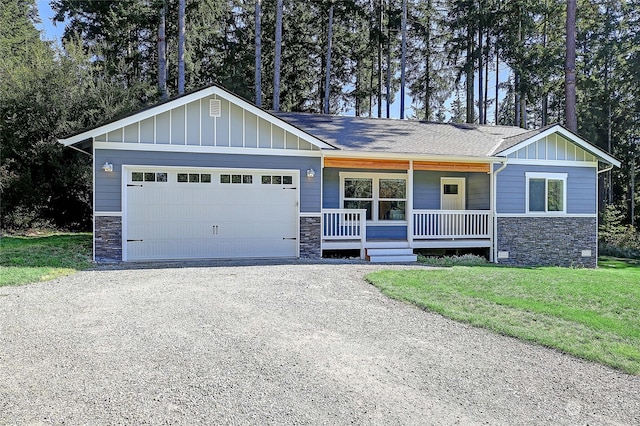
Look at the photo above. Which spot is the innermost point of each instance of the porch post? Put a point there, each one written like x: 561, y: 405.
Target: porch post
x: 492, y: 204
x: 410, y: 204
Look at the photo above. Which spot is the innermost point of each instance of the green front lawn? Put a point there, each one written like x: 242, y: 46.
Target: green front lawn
x: 40, y: 258
x: 593, y: 314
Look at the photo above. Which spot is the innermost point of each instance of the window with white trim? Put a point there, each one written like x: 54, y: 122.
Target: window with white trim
x: 546, y: 192
x: 384, y: 196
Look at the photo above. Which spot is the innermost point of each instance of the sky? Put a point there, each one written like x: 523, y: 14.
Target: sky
x: 51, y: 32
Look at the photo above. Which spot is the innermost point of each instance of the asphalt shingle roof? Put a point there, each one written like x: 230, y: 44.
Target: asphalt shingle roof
x: 515, y: 140
x: 403, y: 136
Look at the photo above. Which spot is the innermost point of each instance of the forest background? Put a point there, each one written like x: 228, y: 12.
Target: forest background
x: 476, y: 61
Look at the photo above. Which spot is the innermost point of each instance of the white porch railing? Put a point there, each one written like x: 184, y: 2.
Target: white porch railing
x: 345, y: 225
x: 434, y: 224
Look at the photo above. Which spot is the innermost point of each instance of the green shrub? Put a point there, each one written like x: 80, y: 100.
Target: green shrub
x: 462, y: 260
x: 616, y: 238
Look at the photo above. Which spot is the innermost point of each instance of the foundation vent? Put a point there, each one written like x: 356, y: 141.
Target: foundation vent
x: 503, y: 255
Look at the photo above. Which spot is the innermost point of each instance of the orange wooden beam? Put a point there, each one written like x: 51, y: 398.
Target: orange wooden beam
x: 451, y: 166
x: 366, y: 163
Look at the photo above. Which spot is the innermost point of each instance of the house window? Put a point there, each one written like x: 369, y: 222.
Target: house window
x: 383, y: 196
x: 546, y: 192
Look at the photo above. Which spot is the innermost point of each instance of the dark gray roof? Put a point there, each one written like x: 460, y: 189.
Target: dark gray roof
x: 403, y: 136
x: 515, y: 140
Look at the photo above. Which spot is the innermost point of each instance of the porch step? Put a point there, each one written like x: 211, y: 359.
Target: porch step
x: 391, y: 255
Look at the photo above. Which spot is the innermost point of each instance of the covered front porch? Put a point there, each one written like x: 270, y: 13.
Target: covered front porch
x: 346, y: 229
x: 372, y: 205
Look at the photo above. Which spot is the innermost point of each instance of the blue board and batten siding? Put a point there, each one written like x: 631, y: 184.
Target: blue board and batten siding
x: 193, y: 125
x: 108, y: 186
x: 581, y: 188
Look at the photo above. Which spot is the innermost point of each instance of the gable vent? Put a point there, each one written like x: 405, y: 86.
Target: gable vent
x: 215, y: 108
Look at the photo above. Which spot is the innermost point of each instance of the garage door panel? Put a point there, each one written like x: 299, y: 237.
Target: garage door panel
x: 222, y: 248
x: 255, y: 230
x: 188, y: 220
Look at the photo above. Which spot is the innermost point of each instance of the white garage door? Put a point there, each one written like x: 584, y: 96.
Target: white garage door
x: 206, y: 213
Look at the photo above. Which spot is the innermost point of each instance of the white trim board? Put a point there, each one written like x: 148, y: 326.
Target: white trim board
x: 567, y: 135
x: 184, y: 100
x: 205, y: 149
x: 561, y: 177
x: 547, y: 215
x: 375, y: 195
x: 108, y: 214
x: 556, y: 163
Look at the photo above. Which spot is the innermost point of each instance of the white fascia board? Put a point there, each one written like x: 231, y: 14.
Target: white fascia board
x: 408, y: 156
x: 272, y: 118
x: 142, y: 115
x: 570, y: 137
x: 554, y: 215
x: 208, y: 91
x: 555, y: 163
x: 204, y: 149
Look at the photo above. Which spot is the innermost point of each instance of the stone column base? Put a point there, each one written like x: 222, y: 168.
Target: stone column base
x: 108, y: 238
x: 310, y: 237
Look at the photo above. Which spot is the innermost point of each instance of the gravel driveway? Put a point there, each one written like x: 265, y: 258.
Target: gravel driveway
x: 275, y: 344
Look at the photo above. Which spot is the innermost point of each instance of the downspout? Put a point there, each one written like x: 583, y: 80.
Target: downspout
x: 606, y: 169
x: 494, y: 210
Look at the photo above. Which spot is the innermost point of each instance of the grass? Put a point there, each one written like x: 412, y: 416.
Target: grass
x: 28, y: 259
x: 592, y: 314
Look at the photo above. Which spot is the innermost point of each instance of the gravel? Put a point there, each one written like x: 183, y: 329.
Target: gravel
x: 299, y: 343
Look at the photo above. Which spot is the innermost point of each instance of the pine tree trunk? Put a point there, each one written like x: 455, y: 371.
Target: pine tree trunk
x: 327, y: 80
x: 258, y: 42
x: 388, y: 79
x: 380, y: 59
x: 277, y: 58
x: 570, y: 68
x: 545, y: 96
x: 469, y: 78
x: 181, y: 41
x: 516, y: 103
x: 162, y: 54
x: 486, y: 83
x: 497, y: 78
x: 427, y: 70
x: 480, y: 77
x: 403, y: 57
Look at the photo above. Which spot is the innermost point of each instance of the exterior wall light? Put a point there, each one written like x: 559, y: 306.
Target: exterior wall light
x: 310, y: 172
x: 107, y: 167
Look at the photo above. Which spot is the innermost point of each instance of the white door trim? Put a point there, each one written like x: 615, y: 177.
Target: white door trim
x: 461, y: 196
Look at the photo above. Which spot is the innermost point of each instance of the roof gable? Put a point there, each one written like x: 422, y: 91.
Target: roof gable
x: 552, y: 143
x: 188, y: 121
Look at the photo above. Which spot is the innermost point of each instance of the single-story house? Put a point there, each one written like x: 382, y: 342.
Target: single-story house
x: 210, y: 175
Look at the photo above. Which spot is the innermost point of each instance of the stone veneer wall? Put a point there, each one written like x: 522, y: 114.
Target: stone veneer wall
x: 108, y: 238
x: 548, y: 241
x: 310, y: 237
